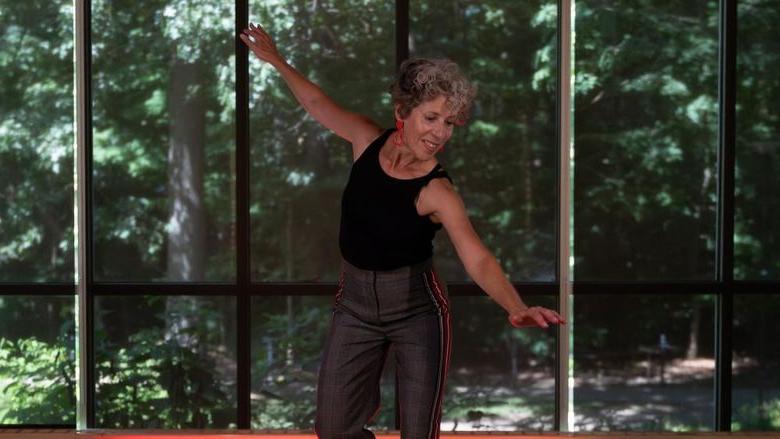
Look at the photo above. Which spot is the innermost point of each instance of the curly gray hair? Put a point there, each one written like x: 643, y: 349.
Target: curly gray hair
x: 422, y: 79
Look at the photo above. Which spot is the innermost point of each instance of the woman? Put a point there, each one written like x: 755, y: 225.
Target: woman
x: 396, y: 198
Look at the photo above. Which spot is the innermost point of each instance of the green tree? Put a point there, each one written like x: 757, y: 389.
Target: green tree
x: 36, y: 141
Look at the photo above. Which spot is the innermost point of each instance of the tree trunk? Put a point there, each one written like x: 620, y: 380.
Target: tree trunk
x: 693, y: 336
x: 186, y: 225
x: 289, y: 351
x: 186, y: 252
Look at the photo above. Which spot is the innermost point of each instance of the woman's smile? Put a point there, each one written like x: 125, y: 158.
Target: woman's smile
x: 430, y: 146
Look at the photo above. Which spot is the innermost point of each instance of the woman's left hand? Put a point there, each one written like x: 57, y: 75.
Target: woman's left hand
x: 535, y: 316
x: 261, y: 44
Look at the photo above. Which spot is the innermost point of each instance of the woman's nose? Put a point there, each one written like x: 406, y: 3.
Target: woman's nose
x: 440, y: 131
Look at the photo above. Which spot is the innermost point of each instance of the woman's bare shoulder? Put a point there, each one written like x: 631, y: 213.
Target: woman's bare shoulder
x: 436, y: 196
x: 364, y: 137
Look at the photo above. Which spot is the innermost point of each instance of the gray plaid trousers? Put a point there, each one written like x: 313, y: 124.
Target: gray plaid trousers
x: 407, y: 308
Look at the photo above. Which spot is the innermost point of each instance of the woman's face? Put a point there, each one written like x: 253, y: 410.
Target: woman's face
x: 428, y: 127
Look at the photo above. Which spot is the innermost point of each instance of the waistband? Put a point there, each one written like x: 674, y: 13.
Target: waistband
x: 399, y: 273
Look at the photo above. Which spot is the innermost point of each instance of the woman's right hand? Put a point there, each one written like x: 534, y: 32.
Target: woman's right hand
x: 535, y: 316
x: 261, y: 44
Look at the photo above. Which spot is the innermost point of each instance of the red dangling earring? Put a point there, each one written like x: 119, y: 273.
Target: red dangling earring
x: 398, y: 139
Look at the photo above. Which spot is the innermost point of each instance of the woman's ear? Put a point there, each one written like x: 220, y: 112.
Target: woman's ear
x: 397, y: 112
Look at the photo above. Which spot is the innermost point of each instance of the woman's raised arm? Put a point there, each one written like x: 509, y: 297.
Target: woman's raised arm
x: 353, y: 127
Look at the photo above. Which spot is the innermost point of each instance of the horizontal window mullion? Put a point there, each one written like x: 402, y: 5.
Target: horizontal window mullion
x: 32, y: 289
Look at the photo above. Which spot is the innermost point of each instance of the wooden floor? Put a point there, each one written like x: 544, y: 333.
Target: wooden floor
x: 233, y: 434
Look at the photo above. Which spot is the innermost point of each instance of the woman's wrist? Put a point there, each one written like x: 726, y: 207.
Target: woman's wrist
x: 517, y: 309
x: 279, y: 64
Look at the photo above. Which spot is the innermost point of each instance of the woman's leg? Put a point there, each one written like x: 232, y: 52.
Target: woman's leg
x: 422, y: 348
x: 348, y: 389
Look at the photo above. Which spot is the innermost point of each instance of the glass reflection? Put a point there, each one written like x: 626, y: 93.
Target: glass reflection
x: 37, y: 360
x: 644, y: 362
x: 163, y: 140
x: 757, y: 201
x: 755, y: 381
x: 501, y: 378
x: 299, y: 168
x: 503, y: 161
x: 646, y: 136
x: 36, y: 141
x: 165, y: 362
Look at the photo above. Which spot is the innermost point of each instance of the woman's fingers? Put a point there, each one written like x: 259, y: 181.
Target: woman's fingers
x: 539, y: 319
x: 254, y: 45
x: 259, y: 32
x: 251, y: 35
x: 259, y: 41
x: 536, y: 316
x: 247, y: 41
x: 521, y: 321
x: 552, y: 316
x: 252, y: 30
x: 529, y: 317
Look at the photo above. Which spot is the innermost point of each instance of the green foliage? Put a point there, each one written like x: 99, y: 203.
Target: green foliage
x: 503, y: 161
x: 295, y: 220
x: 288, y: 345
x: 757, y: 417
x: 155, y: 383
x: 139, y: 54
x: 757, y: 231
x: 646, y: 134
x: 164, y: 362
x: 646, y: 120
x: 36, y: 141
x: 37, y: 382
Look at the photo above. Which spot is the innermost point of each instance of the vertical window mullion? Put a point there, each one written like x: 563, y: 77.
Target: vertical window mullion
x: 85, y: 410
x: 243, y: 300
x: 563, y: 401
x: 725, y: 247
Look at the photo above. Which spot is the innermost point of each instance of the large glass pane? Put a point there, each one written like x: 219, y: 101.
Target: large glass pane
x: 501, y: 378
x: 163, y: 138
x: 503, y: 162
x: 36, y: 141
x: 165, y: 362
x: 757, y: 204
x: 755, y: 379
x: 298, y: 168
x: 37, y: 360
x: 644, y: 362
x: 645, y: 137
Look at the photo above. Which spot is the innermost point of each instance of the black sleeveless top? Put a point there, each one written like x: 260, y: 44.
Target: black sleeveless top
x: 380, y: 227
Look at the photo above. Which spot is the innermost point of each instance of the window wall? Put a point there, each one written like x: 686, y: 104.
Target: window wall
x: 213, y: 210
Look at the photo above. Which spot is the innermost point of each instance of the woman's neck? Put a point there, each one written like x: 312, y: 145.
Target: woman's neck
x: 402, y: 159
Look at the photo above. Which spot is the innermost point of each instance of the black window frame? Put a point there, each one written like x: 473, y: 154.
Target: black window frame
x: 724, y: 287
